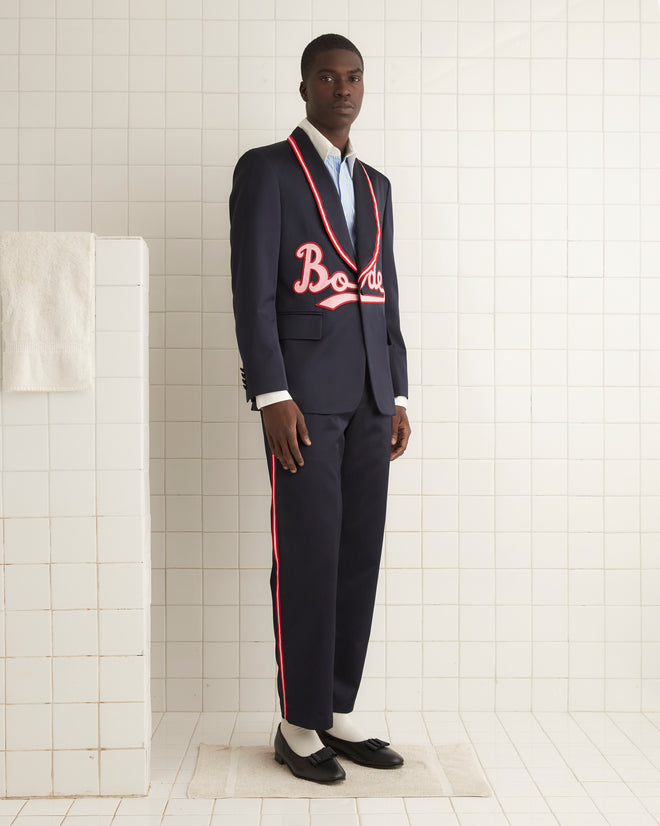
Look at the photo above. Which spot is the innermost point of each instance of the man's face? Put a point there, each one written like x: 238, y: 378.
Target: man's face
x: 333, y: 90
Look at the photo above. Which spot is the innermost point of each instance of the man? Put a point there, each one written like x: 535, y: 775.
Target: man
x: 317, y: 324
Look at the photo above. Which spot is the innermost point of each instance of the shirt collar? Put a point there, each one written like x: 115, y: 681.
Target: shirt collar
x: 325, y: 147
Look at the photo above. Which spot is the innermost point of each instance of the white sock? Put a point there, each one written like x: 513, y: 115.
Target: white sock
x: 304, y: 741
x: 345, y: 728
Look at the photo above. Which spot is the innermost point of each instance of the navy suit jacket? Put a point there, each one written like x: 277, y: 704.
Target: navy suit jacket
x: 312, y: 312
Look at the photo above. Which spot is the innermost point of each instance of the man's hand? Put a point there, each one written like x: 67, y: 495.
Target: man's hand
x: 400, y: 432
x: 284, y: 423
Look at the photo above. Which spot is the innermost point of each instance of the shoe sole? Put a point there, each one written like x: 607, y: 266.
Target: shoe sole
x: 369, y: 765
x: 280, y: 759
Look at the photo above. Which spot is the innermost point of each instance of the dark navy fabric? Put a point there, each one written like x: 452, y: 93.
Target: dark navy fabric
x: 297, y: 340
x: 329, y: 519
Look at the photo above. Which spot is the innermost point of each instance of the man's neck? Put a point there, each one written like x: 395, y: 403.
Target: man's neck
x: 336, y: 138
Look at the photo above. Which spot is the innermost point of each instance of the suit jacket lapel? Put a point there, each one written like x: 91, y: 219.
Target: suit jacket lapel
x: 327, y: 191
x: 365, y: 220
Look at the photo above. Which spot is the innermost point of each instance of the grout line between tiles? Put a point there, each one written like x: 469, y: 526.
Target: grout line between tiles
x: 600, y: 751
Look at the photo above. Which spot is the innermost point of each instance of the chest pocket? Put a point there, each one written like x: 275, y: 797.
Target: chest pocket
x: 300, y: 325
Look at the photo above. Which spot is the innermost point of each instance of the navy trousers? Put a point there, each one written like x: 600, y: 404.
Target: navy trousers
x: 327, y: 523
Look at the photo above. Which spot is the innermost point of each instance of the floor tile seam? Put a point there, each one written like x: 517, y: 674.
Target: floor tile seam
x: 568, y: 765
x: 525, y: 763
x: 625, y: 782
x: 483, y: 768
x: 623, y: 732
x: 649, y: 720
x: 182, y: 758
x: 192, y: 740
x: 602, y: 751
x: 430, y: 739
x: 18, y: 814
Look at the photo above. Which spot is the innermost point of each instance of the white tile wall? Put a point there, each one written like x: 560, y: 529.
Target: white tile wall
x: 521, y: 136
x: 75, y: 702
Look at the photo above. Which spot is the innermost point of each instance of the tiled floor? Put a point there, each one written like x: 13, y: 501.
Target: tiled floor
x: 578, y: 769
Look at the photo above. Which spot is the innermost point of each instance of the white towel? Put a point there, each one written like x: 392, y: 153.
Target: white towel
x: 47, y: 286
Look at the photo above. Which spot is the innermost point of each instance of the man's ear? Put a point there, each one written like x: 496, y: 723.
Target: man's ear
x: 303, y: 90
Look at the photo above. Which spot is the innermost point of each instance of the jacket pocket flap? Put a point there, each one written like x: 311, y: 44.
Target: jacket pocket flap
x: 300, y: 325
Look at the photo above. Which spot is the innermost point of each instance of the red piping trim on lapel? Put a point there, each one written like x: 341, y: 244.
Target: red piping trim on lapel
x: 377, y: 248
x: 319, y: 204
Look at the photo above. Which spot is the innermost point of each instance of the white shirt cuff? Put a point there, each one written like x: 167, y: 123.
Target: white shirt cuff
x: 264, y: 399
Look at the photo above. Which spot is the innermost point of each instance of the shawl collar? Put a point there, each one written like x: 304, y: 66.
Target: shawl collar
x: 327, y: 192
x: 367, y: 231
x: 367, y: 221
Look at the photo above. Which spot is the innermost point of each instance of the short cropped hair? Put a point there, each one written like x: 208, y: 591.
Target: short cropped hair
x: 324, y: 43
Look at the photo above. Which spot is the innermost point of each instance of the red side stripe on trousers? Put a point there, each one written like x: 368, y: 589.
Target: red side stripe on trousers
x: 276, y: 552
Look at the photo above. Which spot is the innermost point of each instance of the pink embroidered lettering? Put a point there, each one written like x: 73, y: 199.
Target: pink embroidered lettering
x: 312, y: 256
x: 315, y: 278
x: 373, y: 279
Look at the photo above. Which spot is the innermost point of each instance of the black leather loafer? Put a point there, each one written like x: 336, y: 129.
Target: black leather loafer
x: 320, y: 766
x: 372, y: 752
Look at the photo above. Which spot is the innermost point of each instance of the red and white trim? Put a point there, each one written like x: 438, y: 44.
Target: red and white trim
x: 374, y: 257
x: 319, y: 204
x: 331, y: 303
x: 276, y: 553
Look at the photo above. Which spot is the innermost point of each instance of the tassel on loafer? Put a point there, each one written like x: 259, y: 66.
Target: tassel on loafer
x: 320, y: 766
x: 372, y: 752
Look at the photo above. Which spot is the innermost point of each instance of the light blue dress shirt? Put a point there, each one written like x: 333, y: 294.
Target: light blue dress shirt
x: 341, y: 174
